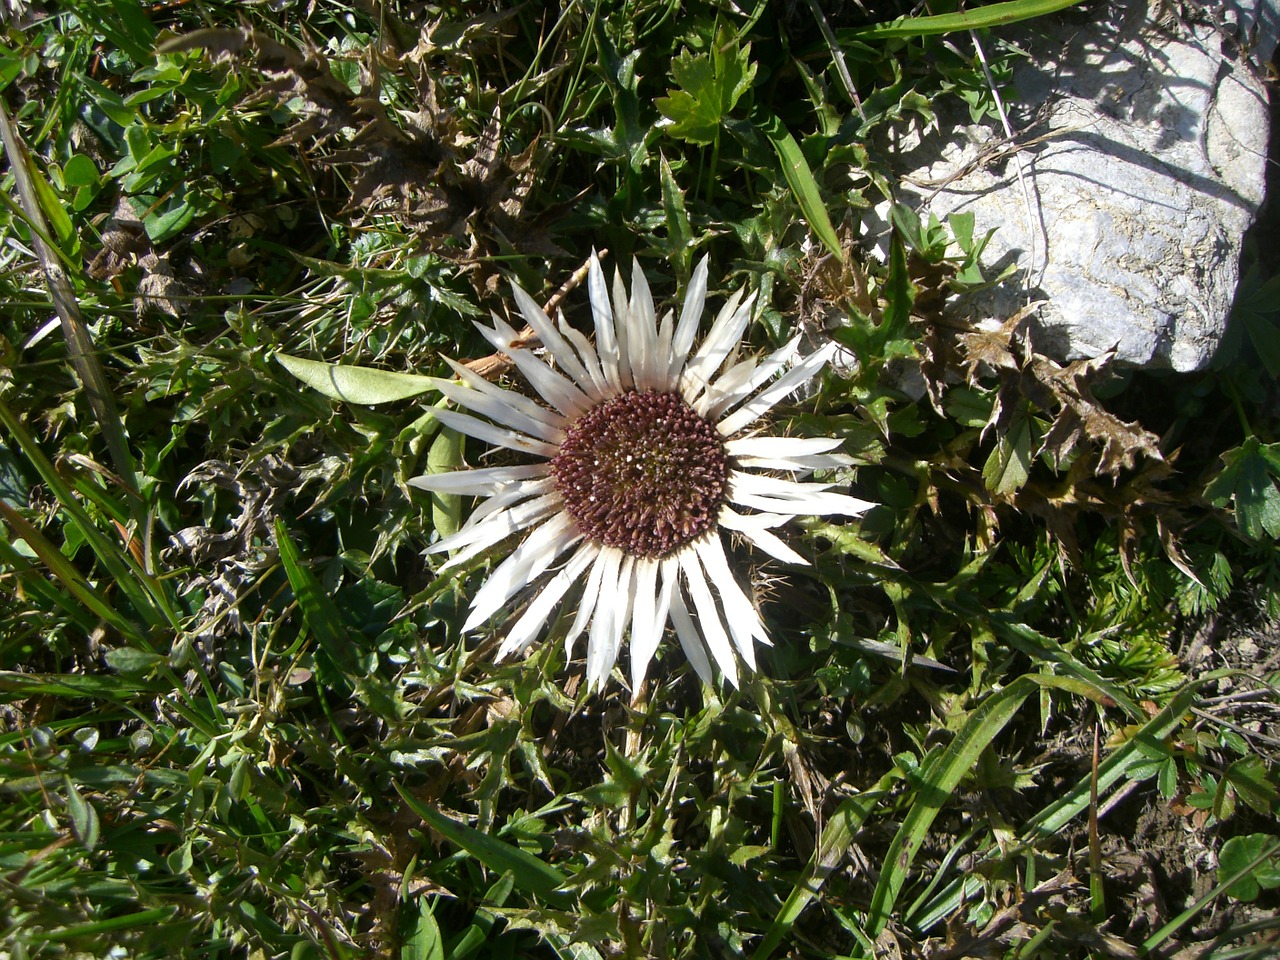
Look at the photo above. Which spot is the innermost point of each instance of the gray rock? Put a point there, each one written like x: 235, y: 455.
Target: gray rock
x: 1143, y: 161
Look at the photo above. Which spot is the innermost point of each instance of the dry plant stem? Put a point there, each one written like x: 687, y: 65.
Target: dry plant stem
x: 495, y: 364
x: 80, y: 345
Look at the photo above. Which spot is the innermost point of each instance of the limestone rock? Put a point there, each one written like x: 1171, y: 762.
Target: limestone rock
x: 1142, y: 150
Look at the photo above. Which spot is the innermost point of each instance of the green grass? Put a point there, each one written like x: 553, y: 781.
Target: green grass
x: 237, y: 716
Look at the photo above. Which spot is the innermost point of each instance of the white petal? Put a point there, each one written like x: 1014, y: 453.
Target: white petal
x: 606, y: 337
x: 695, y: 649
x: 642, y: 332
x: 471, y: 540
x: 551, y: 338
x: 503, y: 499
x: 479, y: 483
x: 819, y: 461
x: 777, y: 495
x: 734, y: 380
x: 490, y: 403
x: 590, y: 360
x: 535, y: 615
x: 762, y: 446
x: 558, y: 391
x: 646, y: 622
x: 816, y: 505
x: 590, y: 597
x: 802, y: 372
x: 622, y: 329
x: 492, y: 433
x: 601, y: 648
x: 740, y: 613
x: 759, y: 535
x: 525, y: 405
x: 662, y: 378
x: 710, y: 622
x: 731, y: 388
x: 724, y: 336
x: 525, y: 564
x: 695, y: 299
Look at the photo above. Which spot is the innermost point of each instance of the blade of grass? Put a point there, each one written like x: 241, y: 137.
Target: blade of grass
x: 149, y: 596
x: 802, y: 183
x: 939, y: 779
x: 1181, y: 920
x: 836, y: 838
x: 1054, y: 818
x: 71, y: 578
x: 992, y: 15
x: 80, y: 346
x: 318, y: 610
x: 531, y: 875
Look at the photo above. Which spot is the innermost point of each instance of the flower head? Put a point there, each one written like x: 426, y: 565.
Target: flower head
x: 645, y: 449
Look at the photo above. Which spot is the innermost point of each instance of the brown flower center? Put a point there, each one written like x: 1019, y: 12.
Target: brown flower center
x: 642, y: 472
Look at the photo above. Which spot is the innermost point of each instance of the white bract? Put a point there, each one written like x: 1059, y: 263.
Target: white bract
x: 645, y: 450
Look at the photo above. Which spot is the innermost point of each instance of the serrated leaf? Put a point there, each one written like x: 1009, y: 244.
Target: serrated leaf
x: 1009, y: 464
x: 1248, y: 480
x: 710, y: 86
x: 679, y: 233
x: 353, y: 384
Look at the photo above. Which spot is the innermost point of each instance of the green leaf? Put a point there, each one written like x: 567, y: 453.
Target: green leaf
x: 318, y: 610
x: 992, y: 15
x: 132, y: 662
x: 423, y: 941
x: 1253, y: 857
x: 445, y: 456
x: 1009, y: 464
x: 1248, y: 479
x: 710, y: 86
x: 352, y: 384
x: 1249, y: 778
x: 164, y: 224
x: 531, y: 874
x: 802, y: 183
x: 80, y: 171
x: 84, y: 818
x: 679, y: 233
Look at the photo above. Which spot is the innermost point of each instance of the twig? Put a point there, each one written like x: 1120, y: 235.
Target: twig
x: 495, y: 364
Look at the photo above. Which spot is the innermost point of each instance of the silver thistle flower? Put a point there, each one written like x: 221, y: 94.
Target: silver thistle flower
x: 645, y: 451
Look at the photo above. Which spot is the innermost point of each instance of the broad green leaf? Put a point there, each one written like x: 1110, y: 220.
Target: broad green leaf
x: 531, y: 875
x: 1009, y: 464
x: 353, y: 384
x: 80, y: 171
x: 161, y: 226
x: 710, y: 86
x: 132, y: 661
x: 84, y: 818
x: 802, y: 183
x: 423, y: 941
x: 992, y: 15
x: 1253, y: 858
x: 1248, y: 480
x: 445, y: 456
